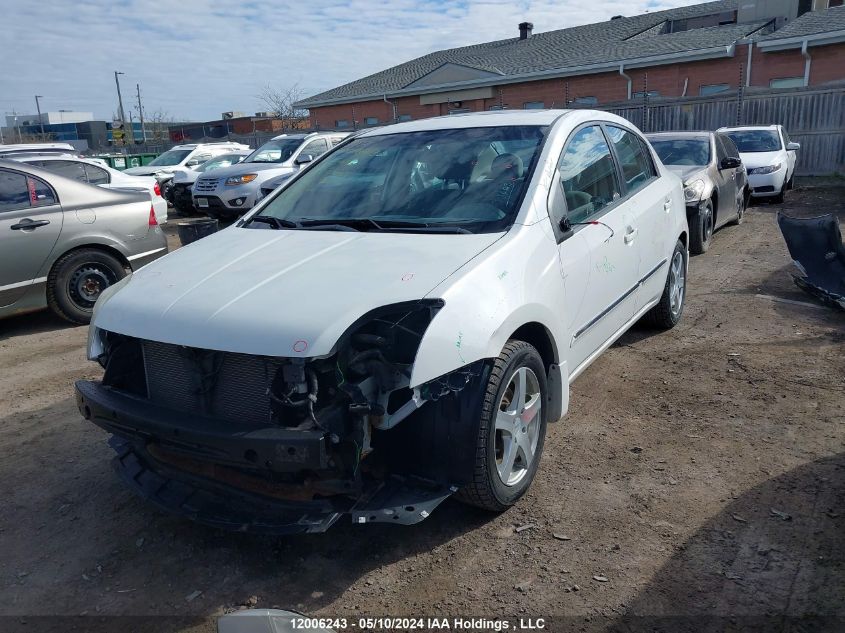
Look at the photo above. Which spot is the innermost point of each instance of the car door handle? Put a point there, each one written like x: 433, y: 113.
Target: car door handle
x: 630, y: 234
x: 667, y: 205
x: 26, y: 223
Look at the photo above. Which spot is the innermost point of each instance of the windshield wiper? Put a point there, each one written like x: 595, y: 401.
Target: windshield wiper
x: 395, y: 226
x: 354, y: 224
x: 276, y: 223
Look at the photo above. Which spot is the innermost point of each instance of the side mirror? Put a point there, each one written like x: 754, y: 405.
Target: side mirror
x: 793, y: 146
x: 565, y: 229
x: 730, y: 162
x: 302, y: 159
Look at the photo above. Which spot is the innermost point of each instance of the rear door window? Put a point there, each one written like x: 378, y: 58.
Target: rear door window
x: 636, y: 165
x: 97, y: 175
x: 40, y: 193
x: 14, y: 193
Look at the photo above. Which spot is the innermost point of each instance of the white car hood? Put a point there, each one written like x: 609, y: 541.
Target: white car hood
x: 246, y: 168
x: 147, y: 170
x: 280, y: 293
x: 185, y: 175
x: 761, y: 159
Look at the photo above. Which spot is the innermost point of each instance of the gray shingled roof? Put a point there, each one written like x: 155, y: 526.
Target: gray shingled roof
x: 619, y: 40
x: 832, y: 19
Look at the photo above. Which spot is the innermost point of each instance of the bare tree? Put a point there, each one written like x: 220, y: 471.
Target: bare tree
x: 157, y: 123
x: 280, y: 102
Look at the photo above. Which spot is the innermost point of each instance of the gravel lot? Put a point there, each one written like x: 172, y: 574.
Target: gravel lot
x: 700, y: 472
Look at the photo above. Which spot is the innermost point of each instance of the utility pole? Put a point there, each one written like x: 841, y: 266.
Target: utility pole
x: 38, y: 107
x: 141, y: 114
x: 120, y: 104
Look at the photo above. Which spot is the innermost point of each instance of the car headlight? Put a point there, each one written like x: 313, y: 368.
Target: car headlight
x: 693, y: 191
x: 768, y: 169
x: 234, y: 181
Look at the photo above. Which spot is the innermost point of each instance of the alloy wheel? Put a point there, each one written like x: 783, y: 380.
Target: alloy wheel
x: 518, y: 426
x: 677, y: 283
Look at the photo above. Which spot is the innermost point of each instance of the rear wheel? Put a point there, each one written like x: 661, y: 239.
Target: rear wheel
x: 740, y: 209
x: 667, y: 313
x: 701, y: 228
x: 78, y: 279
x: 511, y: 429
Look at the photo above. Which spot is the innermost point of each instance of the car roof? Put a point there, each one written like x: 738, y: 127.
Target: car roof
x: 494, y: 118
x: 681, y: 134
x: 739, y: 128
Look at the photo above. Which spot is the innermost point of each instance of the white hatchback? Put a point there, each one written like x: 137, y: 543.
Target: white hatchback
x: 395, y: 324
x: 769, y: 158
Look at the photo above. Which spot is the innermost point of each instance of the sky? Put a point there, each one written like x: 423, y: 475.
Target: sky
x: 195, y: 59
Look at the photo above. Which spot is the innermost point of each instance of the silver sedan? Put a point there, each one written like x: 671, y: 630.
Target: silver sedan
x: 715, y: 180
x: 63, y: 242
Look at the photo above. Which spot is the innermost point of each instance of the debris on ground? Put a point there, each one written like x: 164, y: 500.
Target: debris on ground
x: 193, y: 596
x: 600, y: 578
x: 527, y: 526
x: 561, y: 537
x: 780, y: 513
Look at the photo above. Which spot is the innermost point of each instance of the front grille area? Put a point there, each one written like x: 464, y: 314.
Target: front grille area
x: 224, y: 385
x: 766, y: 189
x: 205, y: 185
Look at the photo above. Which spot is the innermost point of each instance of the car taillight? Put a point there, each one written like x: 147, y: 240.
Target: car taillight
x: 153, y: 220
x: 157, y: 189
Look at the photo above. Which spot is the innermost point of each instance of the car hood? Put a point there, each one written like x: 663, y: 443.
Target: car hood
x: 761, y: 159
x: 687, y: 172
x: 186, y: 175
x: 280, y: 293
x: 147, y: 170
x: 244, y: 168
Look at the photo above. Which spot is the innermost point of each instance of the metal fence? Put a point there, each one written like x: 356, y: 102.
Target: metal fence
x: 814, y: 117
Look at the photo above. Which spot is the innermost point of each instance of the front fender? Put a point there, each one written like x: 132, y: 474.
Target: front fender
x: 519, y: 282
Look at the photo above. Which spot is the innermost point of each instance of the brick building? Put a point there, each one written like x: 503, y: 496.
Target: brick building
x: 689, y: 51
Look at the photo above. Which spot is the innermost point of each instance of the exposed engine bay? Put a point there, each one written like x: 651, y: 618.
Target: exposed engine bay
x: 345, y: 431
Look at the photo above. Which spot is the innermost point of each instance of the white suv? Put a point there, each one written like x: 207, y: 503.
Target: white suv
x: 395, y: 324
x: 182, y: 156
x: 232, y: 191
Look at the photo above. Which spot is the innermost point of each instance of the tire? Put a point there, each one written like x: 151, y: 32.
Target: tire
x: 668, y: 312
x: 77, y: 279
x: 790, y: 185
x: 495, y: 486
x: 780, y: 197
x: 701, y: 228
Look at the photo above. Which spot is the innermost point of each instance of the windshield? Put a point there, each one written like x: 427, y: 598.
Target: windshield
x: 469, y: 179
x: 220, y: 161
x: 170, y: 157
x: 682, y: 151
x: 274, y: 151
x: 755, y: 140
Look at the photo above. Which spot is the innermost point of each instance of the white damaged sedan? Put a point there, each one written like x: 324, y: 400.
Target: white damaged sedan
x: 395, y: 324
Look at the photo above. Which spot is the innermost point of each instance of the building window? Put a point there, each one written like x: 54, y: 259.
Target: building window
x: 498, y: 107
x: 341, y: 123
x: 371, y: 120
x: 459, y: 110
x: 533, y: 105
x: 586, y: 100
x: 404, y: 117
x: 711, y: 89
x: 787, y: 82
x: 641, y: 94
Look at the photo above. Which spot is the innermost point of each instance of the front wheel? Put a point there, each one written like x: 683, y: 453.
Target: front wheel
x: 667, y: 313
x: 511, y: 429
x: 78, y: 279
x: 701, y: 228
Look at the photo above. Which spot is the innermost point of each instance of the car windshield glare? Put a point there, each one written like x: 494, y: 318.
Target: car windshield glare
x: 682, y: 151
x: 274, y: 151
x: 471, y: 178
x: 170, y: 157
x: 755, y: 140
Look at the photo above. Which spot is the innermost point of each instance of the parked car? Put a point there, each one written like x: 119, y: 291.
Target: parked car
x: 269, y: 186
x: 37, y: 149
x: 397, y: 323
x: 232, y: 191
x: 64, y: 242
x: 715, y: 183
x: 184, y: 179
x: 183, y: 156
x: 769, y: 157
x: 96, y: 172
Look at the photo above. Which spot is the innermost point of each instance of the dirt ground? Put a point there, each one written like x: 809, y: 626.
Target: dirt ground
x: 699, y: 477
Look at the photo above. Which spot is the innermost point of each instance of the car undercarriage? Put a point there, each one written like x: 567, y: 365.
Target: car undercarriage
x: 281, y: 445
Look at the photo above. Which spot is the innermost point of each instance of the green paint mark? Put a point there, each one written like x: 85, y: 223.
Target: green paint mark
x: 605, y: 266
x: 503, y: 274
x: 458, y: 344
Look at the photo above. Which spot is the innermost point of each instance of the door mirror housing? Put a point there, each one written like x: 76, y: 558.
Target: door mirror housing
x: 792, y: 147
x: 566, y: 230
x: 730, y: 162
x: 302, y: 159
